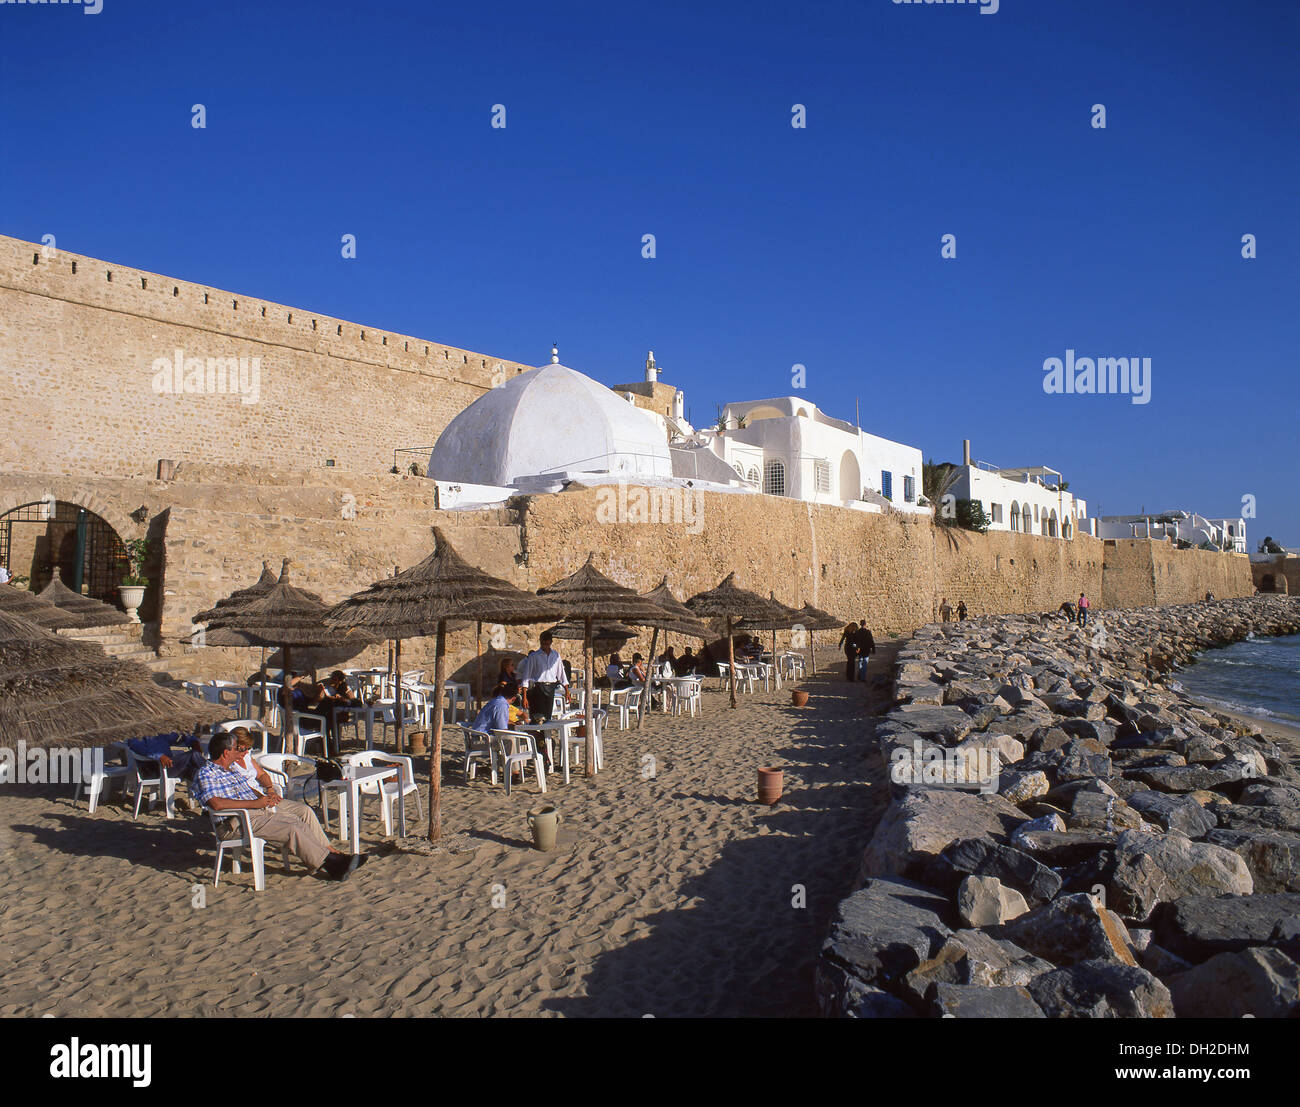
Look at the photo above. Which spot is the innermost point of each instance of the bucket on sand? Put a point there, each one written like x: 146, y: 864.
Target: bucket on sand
x: 770, y: 782
x: 544, y: 821
x: 798, y: 697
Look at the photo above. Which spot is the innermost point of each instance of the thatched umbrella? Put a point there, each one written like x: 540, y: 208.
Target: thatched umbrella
x: 35, y: 609
x: 444, y: 588
x: 242, y: 596
x: 814, y: 619
x: 285, y: 617
x: 687, y: 624
x: 605, y: 637
x: 731, y: 604
x: 590, y: 595
x: 783, y: 618
x: 86, y: 610
x: 60, y: 691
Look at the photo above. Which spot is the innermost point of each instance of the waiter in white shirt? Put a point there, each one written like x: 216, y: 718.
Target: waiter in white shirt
x: 539, y: 673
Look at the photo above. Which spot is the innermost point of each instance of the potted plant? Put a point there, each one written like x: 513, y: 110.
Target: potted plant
x: 134, y: 583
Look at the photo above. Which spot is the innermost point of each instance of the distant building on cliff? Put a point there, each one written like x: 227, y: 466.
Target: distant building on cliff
x: 1029, y: 500
x: 1178, y: 526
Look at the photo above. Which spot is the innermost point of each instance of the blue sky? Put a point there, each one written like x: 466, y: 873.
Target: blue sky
x: 775, y: 245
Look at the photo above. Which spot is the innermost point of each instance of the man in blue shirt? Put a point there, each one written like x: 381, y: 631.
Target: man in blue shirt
x: 496, y: 712
x: 159, y: 748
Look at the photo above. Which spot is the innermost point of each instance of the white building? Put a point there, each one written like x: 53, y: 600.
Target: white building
x: 1178, y: 526
x: 787, y: 447
x: 1030, y: 500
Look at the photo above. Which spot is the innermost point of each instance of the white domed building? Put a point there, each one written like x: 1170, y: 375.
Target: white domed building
x: 546, y: 426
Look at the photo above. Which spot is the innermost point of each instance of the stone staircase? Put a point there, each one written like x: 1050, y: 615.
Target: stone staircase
x: 126, y: 643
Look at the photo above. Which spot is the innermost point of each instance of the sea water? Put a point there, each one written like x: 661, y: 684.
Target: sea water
x: 1260, y: 676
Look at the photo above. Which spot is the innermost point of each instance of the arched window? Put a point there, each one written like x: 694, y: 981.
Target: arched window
x: 774, y: 477
x: 753, y: 475
x: 1067, y: 531
x: 850, y: 477
x: 1015, y: 515
x: 1051, y: 524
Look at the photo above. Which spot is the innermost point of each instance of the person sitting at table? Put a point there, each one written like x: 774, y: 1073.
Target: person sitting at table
x: 176, y: 763
x: 685, y: 665
x: 507, y: 670
x: 614, y: 672
x: 496, y: 712
x: 541, y: 672
x: 638, y: 671
x: 279, y: 821
x: 668, y: 657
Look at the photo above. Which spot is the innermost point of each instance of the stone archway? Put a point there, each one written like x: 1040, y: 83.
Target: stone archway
x: 48, y: 538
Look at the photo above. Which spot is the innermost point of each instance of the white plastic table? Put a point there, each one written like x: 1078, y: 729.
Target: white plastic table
x: 243, y: 691
x: 368, y: 712
x: 358, y: 775
x: 560, y: 726
x: 677, y: 682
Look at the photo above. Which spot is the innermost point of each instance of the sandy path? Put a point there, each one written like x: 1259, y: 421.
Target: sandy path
x: 669, y: 896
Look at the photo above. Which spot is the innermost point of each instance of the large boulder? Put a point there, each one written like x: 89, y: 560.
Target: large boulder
x: 1188, y: 778
x: 1173, y: 812
x: 880, y: 933
x: 1101, y: 990
x: 1156, y: 868
x: 1198, y: 927
x: 1257, y: 981
x: 983, y: 857
x: 985, y: 901
x: 1070, y: 929
x: 918, y: 827
x: 1272, y: 858
x: 971, y: 1001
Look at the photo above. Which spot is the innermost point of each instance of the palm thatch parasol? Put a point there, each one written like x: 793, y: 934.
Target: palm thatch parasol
x: 60, y: 691
x: 815, y: 619
x: 444, y: 588
x: 35, y: 609
x: 783, y: 618
x: 284, y: 617
x: 605, y: 638
x: 242, y: 596
x: 730, y: 604
x: 687, y: 624
x: 590, y: 595
x: 87, y: 611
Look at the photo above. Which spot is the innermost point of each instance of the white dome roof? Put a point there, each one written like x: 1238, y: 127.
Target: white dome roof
x: 549, y: 420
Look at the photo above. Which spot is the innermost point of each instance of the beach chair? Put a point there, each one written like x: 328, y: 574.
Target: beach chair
x: 578, y: 742
x: 277, y: 766
x: 478, y: 747
x: 245, y: 839
x: 316, y: 730
x: 256, y: 726
x: 687, y: 697
x: 515, y: 748
x: 99, y: 781
x: 149, y: 776
x: 389, y: 792
x: 628, y: 703
x: 724, y: 676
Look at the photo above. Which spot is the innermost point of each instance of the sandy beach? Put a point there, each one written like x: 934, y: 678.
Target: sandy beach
x: 669, y: 896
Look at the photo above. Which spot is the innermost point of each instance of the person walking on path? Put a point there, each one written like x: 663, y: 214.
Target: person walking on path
x: 961, y: 610
x: 866, y: 647
x: 849, y: 640
x: 945, y: 611
x: 1083, y: 609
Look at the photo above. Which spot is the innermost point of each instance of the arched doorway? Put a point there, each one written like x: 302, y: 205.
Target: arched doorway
x: 850, y: 477
x: 39, y: 537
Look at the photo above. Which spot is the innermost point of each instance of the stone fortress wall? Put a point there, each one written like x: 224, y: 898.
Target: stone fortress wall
x: 78, y: 342
x: 83, y: 424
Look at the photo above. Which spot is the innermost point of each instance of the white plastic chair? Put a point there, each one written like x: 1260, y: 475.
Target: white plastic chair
x: 514, y: 747
x: 390, y: 792
x: 98, y: 783
x: 628, y: 703
x: 245, y: 840
x: 687, y: 697
x: 478, y: 747
x: 413, y: 713
x: 277, y: 766
x: 577, y: 743
x: 317, y: 731
x: 724, y: 675
x: 162, y: 784
x: 193, y: 688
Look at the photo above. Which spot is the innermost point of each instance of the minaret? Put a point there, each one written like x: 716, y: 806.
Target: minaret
x: 555, y: 354
x: 651, y: 370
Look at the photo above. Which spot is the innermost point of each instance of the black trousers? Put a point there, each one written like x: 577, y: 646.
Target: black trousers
x: 851, y: 669
x: 541, y: 702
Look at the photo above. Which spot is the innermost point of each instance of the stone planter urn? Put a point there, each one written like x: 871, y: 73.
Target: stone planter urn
x: 770, y: 784
x: 132, y: 598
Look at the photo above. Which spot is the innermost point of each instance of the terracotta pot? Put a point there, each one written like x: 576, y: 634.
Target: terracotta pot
x: 770, y: 782
x: 419, y: 742
x: 799, y: 697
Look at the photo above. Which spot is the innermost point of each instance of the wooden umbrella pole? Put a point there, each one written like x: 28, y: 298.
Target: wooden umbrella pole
x: 812, y: 653
x: 776, y: 669
x: 478, y: 653
x: 645, y: 688
x: 731, y: 660
x: 435, y: 744
x: 287, y: 726
x: 587, y: 661
x: 397, y: 696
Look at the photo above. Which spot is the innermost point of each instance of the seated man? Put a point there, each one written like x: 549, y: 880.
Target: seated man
x: 685, y: 665
x: 279, y: 821
x: 185, y: 763
x: 496, y: 712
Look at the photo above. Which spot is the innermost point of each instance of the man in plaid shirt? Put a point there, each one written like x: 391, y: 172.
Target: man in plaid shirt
x: 219, y: 786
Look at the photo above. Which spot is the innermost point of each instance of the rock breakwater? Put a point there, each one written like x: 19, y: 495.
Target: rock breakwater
x: 1131, y: 854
